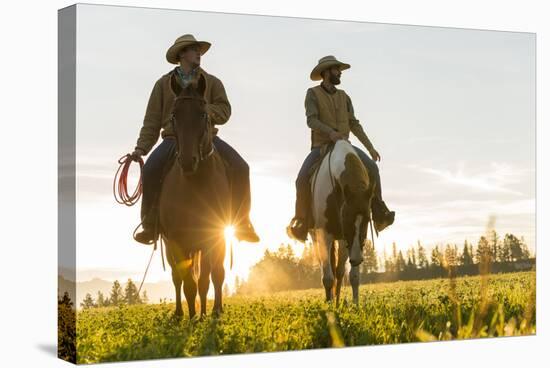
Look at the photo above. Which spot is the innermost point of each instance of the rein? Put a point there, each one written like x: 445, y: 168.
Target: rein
x: 202, y: 156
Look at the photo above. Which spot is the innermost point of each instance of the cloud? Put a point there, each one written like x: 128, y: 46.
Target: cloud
x: 496, y: 179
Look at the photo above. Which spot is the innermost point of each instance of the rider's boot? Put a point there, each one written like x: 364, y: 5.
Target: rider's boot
x: 298, y: 227
x: 382, y: 216
x: 149, y: 213
x: 245, y: 232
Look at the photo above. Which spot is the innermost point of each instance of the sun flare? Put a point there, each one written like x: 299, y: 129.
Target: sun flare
x: 229, y: 232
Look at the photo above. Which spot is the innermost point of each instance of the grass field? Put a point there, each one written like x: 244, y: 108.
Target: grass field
x: 442, y: 309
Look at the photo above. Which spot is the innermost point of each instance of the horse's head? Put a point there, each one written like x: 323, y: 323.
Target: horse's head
x: 355, y: 210
x: 355, y: 215
x: 190, y: 125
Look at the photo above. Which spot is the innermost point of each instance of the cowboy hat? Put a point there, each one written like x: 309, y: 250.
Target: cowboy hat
x: 325, y: 63
x: 185, y: 40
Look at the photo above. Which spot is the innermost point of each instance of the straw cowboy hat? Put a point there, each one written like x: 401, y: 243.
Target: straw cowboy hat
x: 325, y: 63
x: 180, y: 43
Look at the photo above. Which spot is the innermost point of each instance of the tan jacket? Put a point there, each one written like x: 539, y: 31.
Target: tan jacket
x: 327, y: 112
x: 159, y: 108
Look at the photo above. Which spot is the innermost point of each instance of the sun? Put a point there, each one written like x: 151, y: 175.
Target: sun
x: 229, y: 232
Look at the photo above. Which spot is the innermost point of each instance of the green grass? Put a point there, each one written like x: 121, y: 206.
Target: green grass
x: 387, y: 313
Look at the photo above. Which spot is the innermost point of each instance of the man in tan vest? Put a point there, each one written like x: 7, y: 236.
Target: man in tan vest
x: 330, y: 116
x: 187, y: 51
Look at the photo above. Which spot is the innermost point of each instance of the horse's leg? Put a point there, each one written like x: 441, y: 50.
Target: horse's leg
x: 204, y: 279
x: 190, y: 288
x: 354, y: 281
x: 323, y: 241
x: 177, y: 280
x: 341, y: 267
x: 218, y: 275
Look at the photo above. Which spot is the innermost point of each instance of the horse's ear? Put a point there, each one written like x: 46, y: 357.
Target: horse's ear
x: 201, y: 85
x: 175, y: 86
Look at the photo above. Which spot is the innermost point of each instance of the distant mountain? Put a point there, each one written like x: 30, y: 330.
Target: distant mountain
x: 155, y: 290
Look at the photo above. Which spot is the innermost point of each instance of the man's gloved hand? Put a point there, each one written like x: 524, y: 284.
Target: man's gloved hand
x: 335, y: 136
x: 137, y: 154
x: 374, y: 154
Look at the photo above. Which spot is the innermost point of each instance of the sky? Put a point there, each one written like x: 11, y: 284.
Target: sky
x: 451, y: 112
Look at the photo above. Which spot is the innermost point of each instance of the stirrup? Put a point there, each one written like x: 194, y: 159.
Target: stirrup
x: 146, y: 237
x: 297, y: 230
x: 246, y: 232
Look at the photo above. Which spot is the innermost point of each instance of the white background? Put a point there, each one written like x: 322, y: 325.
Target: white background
x: 28, y: 76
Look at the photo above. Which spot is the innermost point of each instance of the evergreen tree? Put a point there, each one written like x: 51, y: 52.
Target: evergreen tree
x: 117, y: 296
x: 505, y: 251
x: 388, y: 264
x: 467, y: 258
x: 494, y: 245
x: 88, y: 302
x: 512, y: 243
x: 131, y: 295
x: 422, y: 259
x: 436, y: 257
x: 370, y: 259
x: 526, y: 254
x: 144, y: 297
x: 483, y: 253
x: 100, y: 300
x: 65, y: 300
x: 400, y: 264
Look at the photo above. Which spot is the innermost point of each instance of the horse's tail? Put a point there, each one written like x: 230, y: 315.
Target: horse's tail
x: 197, y: 264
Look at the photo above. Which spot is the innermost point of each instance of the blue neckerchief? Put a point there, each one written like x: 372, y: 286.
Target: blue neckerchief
x: 186, y: 78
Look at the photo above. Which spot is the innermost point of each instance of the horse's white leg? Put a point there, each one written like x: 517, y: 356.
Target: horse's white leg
x: 355, y: 259
x: 324, y: 243
x: 341, y: 267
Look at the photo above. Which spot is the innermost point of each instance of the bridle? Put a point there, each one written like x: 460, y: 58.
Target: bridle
x: 202, y: 155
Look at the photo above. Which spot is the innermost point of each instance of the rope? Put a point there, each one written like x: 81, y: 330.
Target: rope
x: 120, y: 182
x: 147, y: 269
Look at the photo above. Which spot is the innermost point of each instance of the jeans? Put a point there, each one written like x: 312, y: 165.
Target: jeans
x: 153, y: 170
x: 303, y: 192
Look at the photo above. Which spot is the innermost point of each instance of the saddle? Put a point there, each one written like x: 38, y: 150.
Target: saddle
x: 325, y: 150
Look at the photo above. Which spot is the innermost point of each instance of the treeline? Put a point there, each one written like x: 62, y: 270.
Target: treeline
x: 66, y: 329
x: 283, y: 270
x: 128, y: 296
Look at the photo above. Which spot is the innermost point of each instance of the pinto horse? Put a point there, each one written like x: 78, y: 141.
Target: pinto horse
x: 194, y: 203
x: 342, y: 194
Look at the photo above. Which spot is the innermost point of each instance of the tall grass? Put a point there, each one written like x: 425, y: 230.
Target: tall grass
x: 442, y: 309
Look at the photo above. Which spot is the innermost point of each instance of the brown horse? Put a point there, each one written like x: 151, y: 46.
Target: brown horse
x: 194, y: 204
